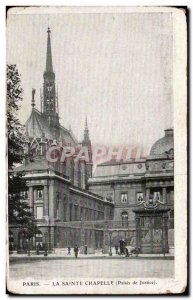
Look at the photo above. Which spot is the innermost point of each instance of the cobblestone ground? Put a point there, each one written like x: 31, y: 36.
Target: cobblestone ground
x: 99, y: 268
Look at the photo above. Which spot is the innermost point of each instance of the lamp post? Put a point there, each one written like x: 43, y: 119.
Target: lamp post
x: 82, y: 236
x: 46, y: 244
x: 29, y: 233
x: 110, y: 235
x: 110, y: 250
x: 28, y: 251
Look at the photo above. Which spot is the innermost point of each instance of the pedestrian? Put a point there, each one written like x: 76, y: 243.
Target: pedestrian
x: 126, y: 252
x: 38, y: 249
x: 46, y: 250
x: 76, y: 251
x: 85, y: 249
x: 121, y: 247
x: 116, y: 249
x: 69, y: 251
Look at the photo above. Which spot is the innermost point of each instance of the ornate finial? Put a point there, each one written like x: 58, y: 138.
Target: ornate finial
x: 86, y: 124
x: 33, y: 98
x: 49, y: 67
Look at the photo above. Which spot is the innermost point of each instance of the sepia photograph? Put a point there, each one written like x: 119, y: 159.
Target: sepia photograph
x: 96, y: 106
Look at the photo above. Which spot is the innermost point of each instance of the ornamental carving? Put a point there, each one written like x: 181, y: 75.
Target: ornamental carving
x: 170, y: 153
x: 150, y: 203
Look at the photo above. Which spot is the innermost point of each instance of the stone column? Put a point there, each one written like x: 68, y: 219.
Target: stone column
x: 82, y: 170
x: 165, y: 232
x: 164, y: 195
x: 78, y: 213
x: 72, y: 213
x: 84, y: 213
x: 137, y: 220
x: 60, y: 209
x: 92, y: 214
x: 105, y: 239
x: 93, y: 239
x: 31, y: 199
x: 67, y: 212
x: 82, y: 238
x: 76, y: 173
x: 46, y: 201
x: 51, y: 238
x: 105, y: 213
x: 51, y: 199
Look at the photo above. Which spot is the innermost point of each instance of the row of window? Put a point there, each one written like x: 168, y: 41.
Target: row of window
x: 85, y: 213
x: 144, y: 222
x: 88, y: 214
x: 140, y: 196
x: 124, y: 197
x: 38, y: 193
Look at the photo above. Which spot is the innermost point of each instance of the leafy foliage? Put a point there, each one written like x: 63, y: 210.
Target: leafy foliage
x: 15, y: 130
x: 18, y: 207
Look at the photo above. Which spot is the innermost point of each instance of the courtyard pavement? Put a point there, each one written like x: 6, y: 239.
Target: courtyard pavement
x: 84, y: 268
x: 63, y: 254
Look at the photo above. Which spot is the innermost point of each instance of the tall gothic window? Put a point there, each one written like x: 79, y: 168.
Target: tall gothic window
x: 124, y: 217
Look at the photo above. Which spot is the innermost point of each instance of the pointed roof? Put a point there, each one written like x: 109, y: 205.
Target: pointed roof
x: 86, y: 133
x: 49, y: 66
x: 37, y: 126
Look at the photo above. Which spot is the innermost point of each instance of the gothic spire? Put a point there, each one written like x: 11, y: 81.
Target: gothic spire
x: 86, y: 133
x: 86, y: 125
x: 50, y: 108
x: 49, y: 66
x: 33, y: 98
x: 87, y: 143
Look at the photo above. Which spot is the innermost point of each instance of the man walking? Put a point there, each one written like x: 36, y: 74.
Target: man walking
x: 69, y: 251
x: 76, y: 251
x: 116, y: 249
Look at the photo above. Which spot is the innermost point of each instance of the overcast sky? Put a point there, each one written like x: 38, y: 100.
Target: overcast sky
x: 114, y: 68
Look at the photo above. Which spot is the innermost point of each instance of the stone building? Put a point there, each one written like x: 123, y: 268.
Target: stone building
x: 143, y: 195
x: 131, y: 201
x: 64, y: 210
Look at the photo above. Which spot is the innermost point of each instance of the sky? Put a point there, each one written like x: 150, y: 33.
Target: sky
x: 116, y: 69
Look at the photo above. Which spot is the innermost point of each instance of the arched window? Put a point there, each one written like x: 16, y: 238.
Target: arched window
x: 124, y: 217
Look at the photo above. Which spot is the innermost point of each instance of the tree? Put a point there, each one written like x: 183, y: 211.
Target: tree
x: 14, y: 128
x: 18, y: 208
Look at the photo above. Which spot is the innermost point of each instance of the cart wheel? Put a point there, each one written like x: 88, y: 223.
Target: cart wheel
x: 135, y: 253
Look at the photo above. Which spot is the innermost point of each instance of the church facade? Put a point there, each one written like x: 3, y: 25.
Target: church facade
x: 131, y: 201
x: 64, y: 210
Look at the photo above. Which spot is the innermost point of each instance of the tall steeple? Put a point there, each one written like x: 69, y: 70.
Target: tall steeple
x: 86, y: 139
x: 49, y: 66
x: 87, y: 143
x: 49, y: 91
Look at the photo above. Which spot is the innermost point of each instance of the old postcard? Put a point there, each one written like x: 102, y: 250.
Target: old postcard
x: 97, y: 150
